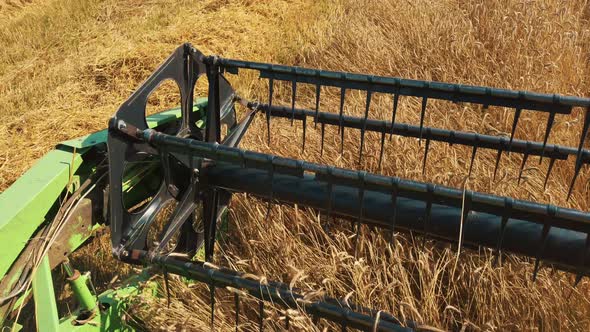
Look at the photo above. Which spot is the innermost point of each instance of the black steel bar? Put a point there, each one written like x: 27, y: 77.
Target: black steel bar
x: 551, y: 103
x: 503, y: 231
x: 442, y: 135
x: 486, y: 203
x: 278, y: 293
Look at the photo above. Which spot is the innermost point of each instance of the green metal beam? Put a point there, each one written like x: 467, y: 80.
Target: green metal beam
x: 25, y: 204
x: 45, y: 305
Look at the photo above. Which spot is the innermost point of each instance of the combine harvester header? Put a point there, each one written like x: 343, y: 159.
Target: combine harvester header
x: 190, y: 161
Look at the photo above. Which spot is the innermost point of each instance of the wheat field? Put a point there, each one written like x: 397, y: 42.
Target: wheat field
x: 65, y: 67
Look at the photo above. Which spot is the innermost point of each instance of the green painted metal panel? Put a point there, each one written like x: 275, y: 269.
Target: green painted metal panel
x: 45, y: 305
x: 24, y: 205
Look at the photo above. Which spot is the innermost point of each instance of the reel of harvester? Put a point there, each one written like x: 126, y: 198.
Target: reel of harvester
x: 201, y: 170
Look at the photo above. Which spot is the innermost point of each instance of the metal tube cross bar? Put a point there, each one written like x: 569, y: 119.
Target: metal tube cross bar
x: 278, y: 293
x: 491, y: 221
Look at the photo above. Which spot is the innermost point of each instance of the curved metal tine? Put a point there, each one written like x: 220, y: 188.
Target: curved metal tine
x: 315, y: 319
x: 430, y: 192
x: 505, y: 217
x: 514, y: 125
x: 382, y: 145
x: 287, y: 320
x: 364, y: 127
x: 322, y: 141
x: 468, y: 196
x: 551, y: 210
x: 422, y: 114
x: 426, y: 148
x: 498, y: 157
x: 345, y: 319
x: 261, y: 315
x: 167, y: 285
x: 330, y: 193
x: 293, y: 96
x: 341, y: 120
x: 394, y: 192
x: 395, y: 101
x: 473, y: 152
x: 550, y: 122
x: 551, y: 163
x: 271, y: 174
x: 304, y: 129
x: 212, y: 299
x: 580, y: 150
x: 237, y: 309
x: 524, y: 159
x: 270, y: 94
x: 318, y: 91
x: 210, y: 202
x: 361, y: 178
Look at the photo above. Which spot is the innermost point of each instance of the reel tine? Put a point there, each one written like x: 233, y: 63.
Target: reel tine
x: 304, y: 130
x: 382, y: 146
x: 580, y: 150
x: 293, y: 96
x: 270, y: 94
x: 577, y: 281
x: 429, y: 196
x: 340, y: 119
x: 212, y: 299
x: 287, y: 320
x: 322, y: 141
x: 514, y: 125
x: 318, y: 91
x: 271, y: 174
x: 210, y: 201
x: 524, y: 159
x: 422, y: 114
x: 505, y: 217
x: 237, y: 309
x: 550, y: 122
x: 395, y: 101
x: 551, y: 163
x: 261, y: 314
x: 426, y: 147
x: 361, y: 178
x: 167, y: 284
x: 394, y: 192
x: 468, y: 196
x: 364, y: 127
x: 551, y: 211
x: 316, y: 320
x: 330, y: 192
x: 538, y: 258
x: 473, y: 152
x: 498, y: 157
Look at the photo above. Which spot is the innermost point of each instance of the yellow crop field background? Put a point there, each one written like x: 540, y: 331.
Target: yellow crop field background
x: 66, y: 66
